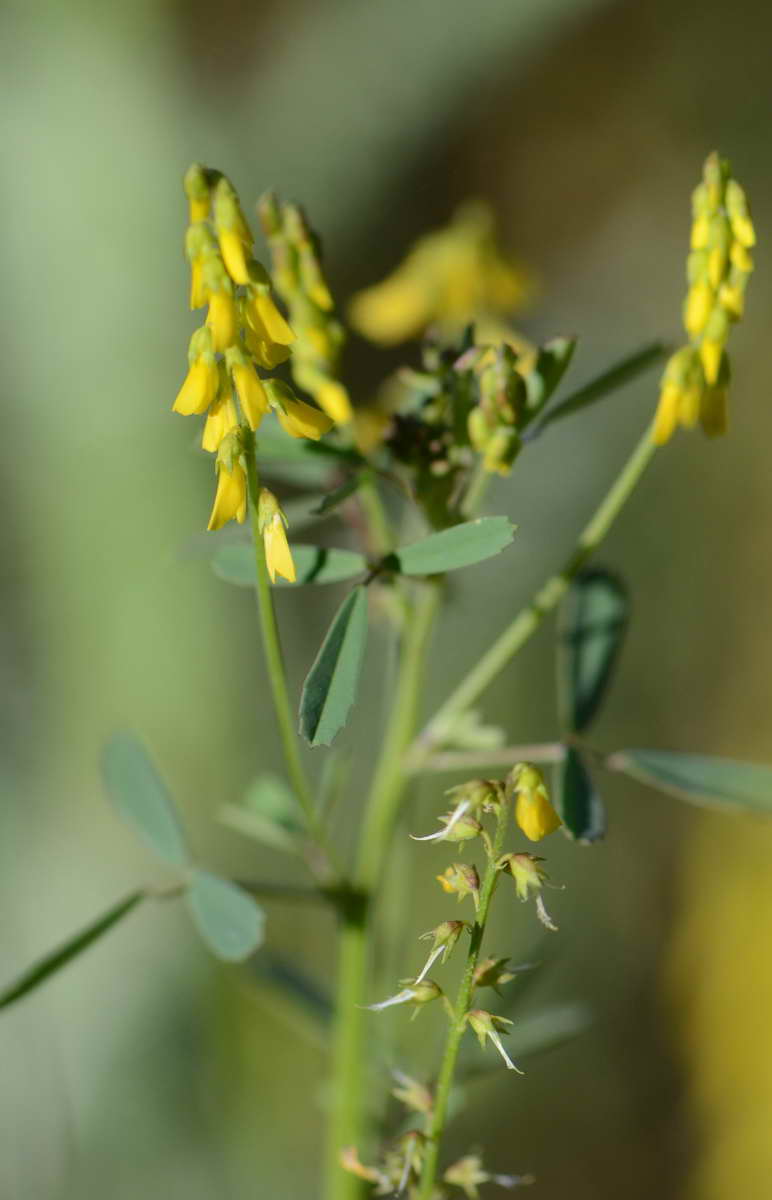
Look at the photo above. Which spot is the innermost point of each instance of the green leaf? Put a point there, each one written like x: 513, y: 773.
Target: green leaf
x: 228, y: 919
x: 47, y: 966
x: 552, y: 361
x: 700, y: 779
x: 577, y: 801
x: 595, y: 620
x: 338, y: 495
x: 459, y: 546
x: 610, y: 381
x: 142, y: 798
x: 331, y: 684
x: 313, y: 564
x: 269, y: 813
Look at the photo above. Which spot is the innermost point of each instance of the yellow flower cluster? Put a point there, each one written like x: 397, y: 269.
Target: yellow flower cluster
x: 299, y: 279
x: 243, y: 331
x: 696, y: 379
x: 450, y: 277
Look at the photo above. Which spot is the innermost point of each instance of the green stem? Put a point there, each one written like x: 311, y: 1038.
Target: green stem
x: 347, y: 1120
x: 529, y: 618
x: 478, y: 486
x: 458, y: 1023
x: 274, y: 660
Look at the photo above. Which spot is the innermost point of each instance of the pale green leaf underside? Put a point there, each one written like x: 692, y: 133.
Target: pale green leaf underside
x: 459, y: 546
x: 699, y: 778
x: 228, y: 919
x: 142, y: 798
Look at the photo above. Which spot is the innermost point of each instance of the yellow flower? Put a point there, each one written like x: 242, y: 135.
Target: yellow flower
x: 222, y: 320
x: 197, y: 289
x: 533, y: 811
x: 202, y: 380
x: 271, y: 523
x: 302, y: 420
x: 251, y: 393
x: 449, y: 277
x: 265, y: 318
x: 296, y: 418
x: 230, y: 502
x: 268, y: 355
x: 334, y: 399
x: 196, y: 185
x: 221, y: 418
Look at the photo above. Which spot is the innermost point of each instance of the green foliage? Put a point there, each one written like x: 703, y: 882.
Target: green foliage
x: 47, y: 966
x: 314, y: 564
x: 596, y: 615
x: 700, y: 779
x: 331, y: 684
x: 577, y: 801
x: 230, y: 922
x: 269, y: 813
x: 142, y: 798
x: 605, y: 384
x: 552, y: 361
x: 459, y: 546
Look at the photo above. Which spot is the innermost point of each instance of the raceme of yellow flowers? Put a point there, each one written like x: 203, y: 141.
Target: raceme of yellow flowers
x: 243, y: 333
x: 696, y: 378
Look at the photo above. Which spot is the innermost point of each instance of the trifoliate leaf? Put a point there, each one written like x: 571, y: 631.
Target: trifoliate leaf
x: 331, y: 684
x: 228, y: 919
x: 142, y: 798
x: 593, y: 627
x: 313, y: 564
x: 700, y: 779
x: 460, y: 546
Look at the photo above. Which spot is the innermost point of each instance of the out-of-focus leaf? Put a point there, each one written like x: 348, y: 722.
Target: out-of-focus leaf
x: 142, y: 798
x: 577, y: 801
x: 552, y: 361
x: 460, y: 546
x: 269, y: 813
x: 293, y: 996
x: 313, y: 564
x: 228, y: 919
x: 596, y: 614
x: 47, y: 966
x: 336, y: 497
x: 331, y: 684
x: 700, y: 779
x: 610, y: 381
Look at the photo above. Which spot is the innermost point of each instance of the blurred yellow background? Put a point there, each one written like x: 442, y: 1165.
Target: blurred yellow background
x: 145, y: 1068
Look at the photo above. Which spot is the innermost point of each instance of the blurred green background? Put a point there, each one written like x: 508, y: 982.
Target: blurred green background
x: 146, y: 1069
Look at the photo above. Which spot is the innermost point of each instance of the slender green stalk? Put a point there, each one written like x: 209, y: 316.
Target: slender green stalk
x: 272, y: 647
x: 347, y: 1120
x: 478, y: 486
x: 528, y: 619
x: 458, y: 1024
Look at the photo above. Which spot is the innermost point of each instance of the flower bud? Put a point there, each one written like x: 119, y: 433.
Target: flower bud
x: 533, y: 811
x: 271, y: 523
x: 197, y: 188
x: 492, y: 972
x: 488, y: 1025
x: 461, y: 879
x: 444, y: 937
x: 413, y: 991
